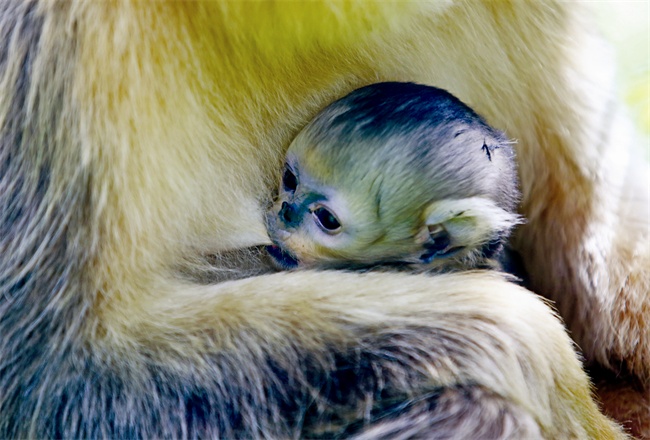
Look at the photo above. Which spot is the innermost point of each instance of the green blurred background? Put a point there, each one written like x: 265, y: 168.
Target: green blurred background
x: 626, y: 24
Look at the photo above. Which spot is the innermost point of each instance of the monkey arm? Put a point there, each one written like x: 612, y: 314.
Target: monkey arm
x: 275, y: 355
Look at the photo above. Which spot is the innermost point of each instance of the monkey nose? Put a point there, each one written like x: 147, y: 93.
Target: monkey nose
x: 288, y: 214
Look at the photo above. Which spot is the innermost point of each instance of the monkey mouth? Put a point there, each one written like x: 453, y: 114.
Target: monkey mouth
x: 283, y: 258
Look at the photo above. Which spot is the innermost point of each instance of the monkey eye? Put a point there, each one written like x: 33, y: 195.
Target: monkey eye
x: 326, y: 220
x: 289, y: 180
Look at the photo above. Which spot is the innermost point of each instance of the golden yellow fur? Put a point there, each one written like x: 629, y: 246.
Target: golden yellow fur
x: 138, y: 138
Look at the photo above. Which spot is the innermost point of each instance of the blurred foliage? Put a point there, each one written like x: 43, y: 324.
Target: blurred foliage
x: 626, y: 24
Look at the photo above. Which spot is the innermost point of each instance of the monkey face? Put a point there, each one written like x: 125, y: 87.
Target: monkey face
x: 308, y: 222
x: 316, y: 222
x: 313, y: 223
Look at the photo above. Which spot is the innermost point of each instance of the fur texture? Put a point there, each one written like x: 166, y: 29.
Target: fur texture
x: 399, y: 172
x: 138, y: 139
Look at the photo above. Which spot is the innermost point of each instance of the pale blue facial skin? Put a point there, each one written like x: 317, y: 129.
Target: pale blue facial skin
x: 361, y: 235
x: 374, y: 161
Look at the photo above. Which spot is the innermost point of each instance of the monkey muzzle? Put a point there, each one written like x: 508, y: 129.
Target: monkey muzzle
x: 281, y: 257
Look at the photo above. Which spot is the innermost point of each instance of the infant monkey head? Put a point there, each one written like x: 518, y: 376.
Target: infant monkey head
x: 395, y: 173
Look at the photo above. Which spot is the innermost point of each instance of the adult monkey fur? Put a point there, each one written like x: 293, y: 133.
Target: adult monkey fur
x: 136, y: 138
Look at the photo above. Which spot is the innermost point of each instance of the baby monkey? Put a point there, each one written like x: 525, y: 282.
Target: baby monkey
x: 396, y: 174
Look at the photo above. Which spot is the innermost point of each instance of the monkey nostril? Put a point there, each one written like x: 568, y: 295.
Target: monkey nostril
x: 286, y: 212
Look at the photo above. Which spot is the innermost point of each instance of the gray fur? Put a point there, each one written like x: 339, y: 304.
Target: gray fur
x: 421, y: 142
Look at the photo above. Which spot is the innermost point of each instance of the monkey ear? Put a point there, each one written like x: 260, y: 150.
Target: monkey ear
x: 453, y: 224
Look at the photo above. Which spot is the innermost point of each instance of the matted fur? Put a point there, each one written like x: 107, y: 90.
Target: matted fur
x: 137, y: 139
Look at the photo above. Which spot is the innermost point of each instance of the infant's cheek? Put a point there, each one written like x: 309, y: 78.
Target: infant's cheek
x: 302, y: 248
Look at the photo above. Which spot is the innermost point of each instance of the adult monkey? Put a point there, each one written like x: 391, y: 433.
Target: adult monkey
x: 138, y: 138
